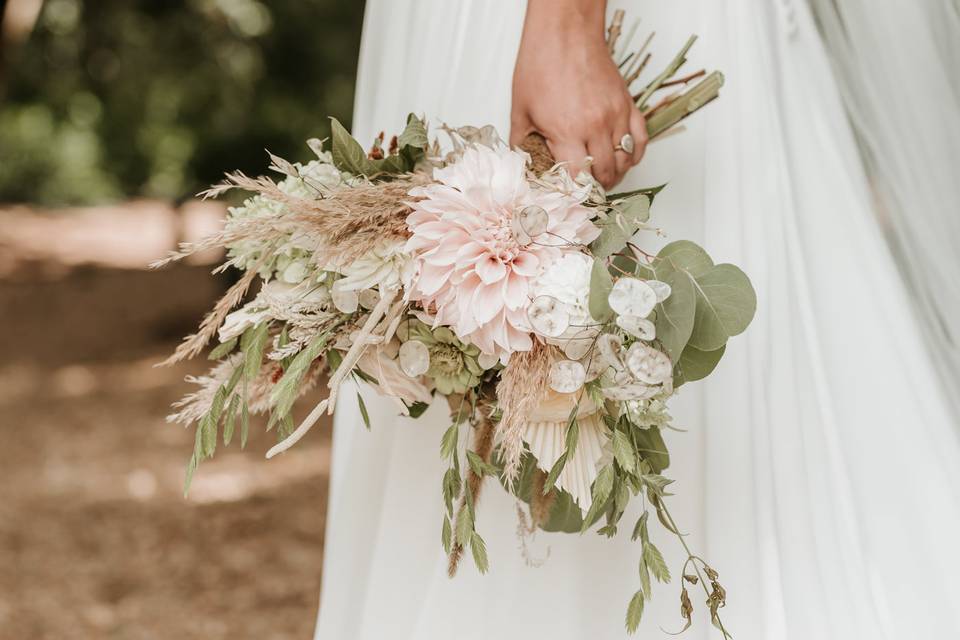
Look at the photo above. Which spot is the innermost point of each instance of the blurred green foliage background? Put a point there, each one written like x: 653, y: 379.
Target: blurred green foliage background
x: 110, y: 99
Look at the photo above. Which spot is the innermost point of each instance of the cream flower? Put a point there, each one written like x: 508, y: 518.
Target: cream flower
x: 386, y: 267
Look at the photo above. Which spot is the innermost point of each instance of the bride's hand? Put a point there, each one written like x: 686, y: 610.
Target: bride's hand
x: 567, y: 87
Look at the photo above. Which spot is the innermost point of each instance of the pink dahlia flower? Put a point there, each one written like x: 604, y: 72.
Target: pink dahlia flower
x: 472, y: 271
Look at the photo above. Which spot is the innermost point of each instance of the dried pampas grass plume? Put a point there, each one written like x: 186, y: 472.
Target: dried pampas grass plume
x: 522, y: 387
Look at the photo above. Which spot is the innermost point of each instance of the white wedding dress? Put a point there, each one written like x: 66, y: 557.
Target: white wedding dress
x: 820, y: 473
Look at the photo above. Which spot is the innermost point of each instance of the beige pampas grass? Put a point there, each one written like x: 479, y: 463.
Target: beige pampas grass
x: 522, y: 387
x: 352, y: 220
x: 193, y: 344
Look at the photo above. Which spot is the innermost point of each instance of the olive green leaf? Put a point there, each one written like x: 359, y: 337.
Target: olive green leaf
x: 696, y: 364
x: 363, y: 411
x: 555, y: 471
x: 601, y: 283
x: 634, y: 612
x: 684, y: 255
x: 347, y: 153
x: 623, y: 220
x: 652, y: 448
x: 479, y: 550
x: 222, y: 349
x: 414, y: 135
x: 654, y: 560
x: 675, y: 316
x: 448, y: 444
x: 446, y: 535
x: 726, y: 303
x: 623, y: 451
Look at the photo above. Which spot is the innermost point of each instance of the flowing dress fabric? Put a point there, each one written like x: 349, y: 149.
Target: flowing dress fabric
x: 819, y: 470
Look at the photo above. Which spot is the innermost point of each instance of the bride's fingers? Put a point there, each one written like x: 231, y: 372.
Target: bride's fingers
x: 604, y: 163
x: 573, y: 153
x: 520, y: 128
x: 638, y: 129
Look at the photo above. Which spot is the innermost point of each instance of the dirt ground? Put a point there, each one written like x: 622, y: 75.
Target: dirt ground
x: 96, y: 539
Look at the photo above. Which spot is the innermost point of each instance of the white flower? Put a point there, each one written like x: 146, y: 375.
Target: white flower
x: 277, y: 299
x: 386, y: 267
x: 563, y: 313
x: 240, y: 320
x: 314, y: 176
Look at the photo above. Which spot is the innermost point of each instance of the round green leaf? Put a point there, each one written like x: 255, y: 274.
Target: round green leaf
x: 725, y: 305
x: 696, y: 364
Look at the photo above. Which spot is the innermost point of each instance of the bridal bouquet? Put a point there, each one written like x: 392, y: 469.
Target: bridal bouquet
x: 489, y: 278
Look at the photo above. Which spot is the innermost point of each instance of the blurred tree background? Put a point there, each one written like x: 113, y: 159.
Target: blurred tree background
x: 111, y: 99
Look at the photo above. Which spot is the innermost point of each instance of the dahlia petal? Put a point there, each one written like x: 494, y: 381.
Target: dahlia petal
x: 487, y: 302
x: 526, y: 264
x: 515, y: 289
x: 491, y: 270
x: 432, y: 279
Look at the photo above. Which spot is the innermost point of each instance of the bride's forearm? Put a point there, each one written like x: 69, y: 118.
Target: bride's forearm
x: 584, y: 16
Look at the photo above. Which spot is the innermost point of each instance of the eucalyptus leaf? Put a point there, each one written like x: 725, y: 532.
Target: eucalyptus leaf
x: 611, y: 240
x: 675, y: 316
x: 601, y: 283
x: 726, y: 303
x: 623, y: 220
x: 652, y: 448
x: 684, y: 255
x: 635, y: 208
x: 696, y: 364
x: 565, y: 516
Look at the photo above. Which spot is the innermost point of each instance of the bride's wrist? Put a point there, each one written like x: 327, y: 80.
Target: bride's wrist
x: 574, y: 17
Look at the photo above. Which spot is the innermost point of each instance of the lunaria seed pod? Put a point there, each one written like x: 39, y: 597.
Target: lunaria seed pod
x: 631, y: 391
x: 534, y: 220
x: 345, y: 301
x: 632, y: 297
x: 637, y: 327
x: 579, y: 344
x: 548, y: 316
x: 414, y: 358
x: 648, y: 365
x: 662, y: 289
x: 567, y: 376
x: 609, y: 346
x: 369, y: 298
